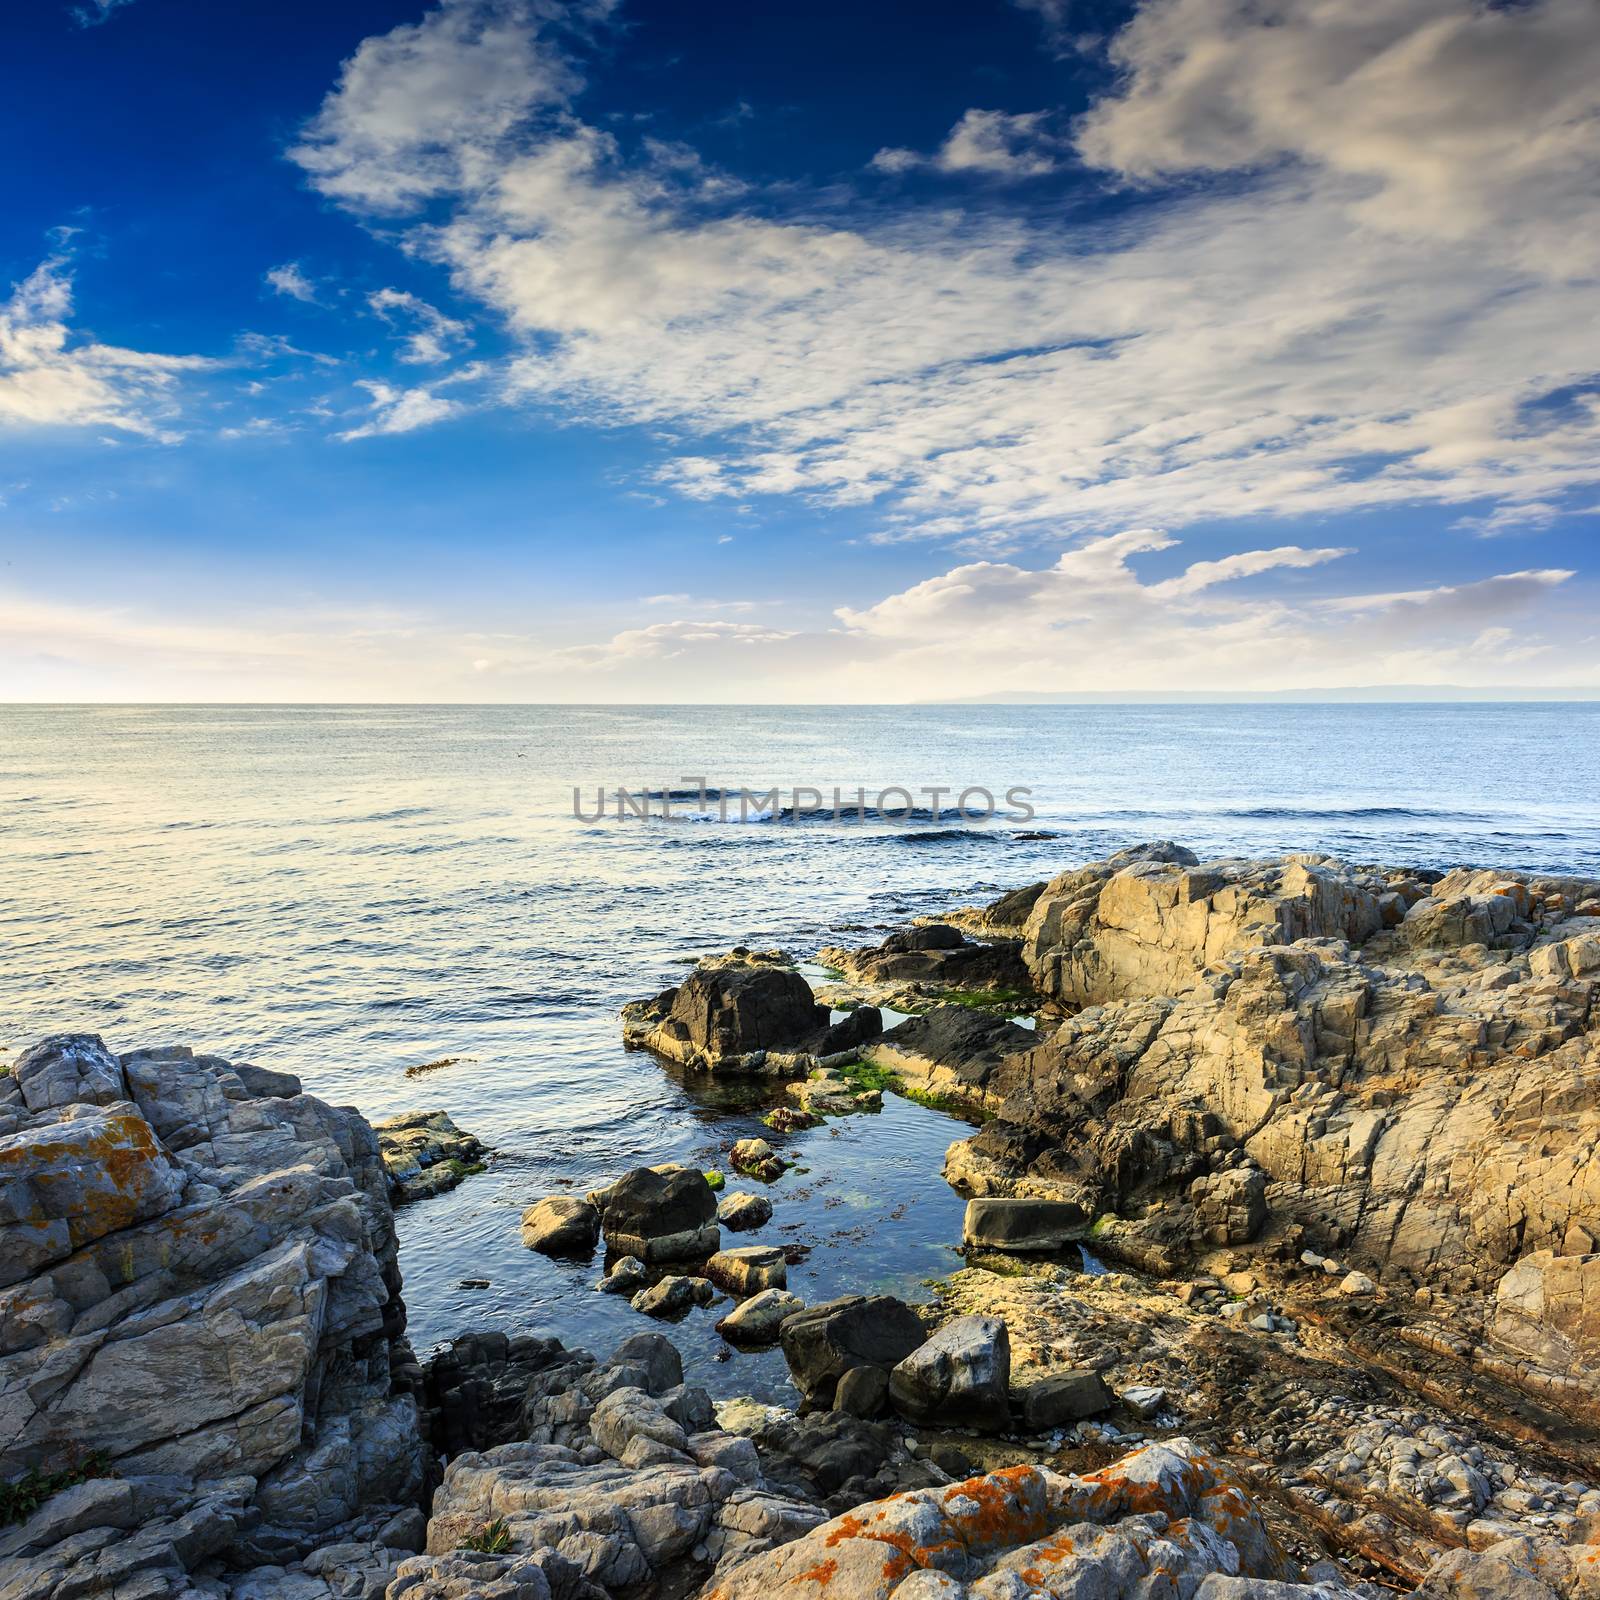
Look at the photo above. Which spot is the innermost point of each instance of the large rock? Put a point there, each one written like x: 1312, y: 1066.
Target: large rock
x: 934, y: 957
x: 758, y: 1319
x: 1156, y: 1523
x: 561, y: 1225
x: 959, y: 1378
x: 425, y: 1153
x: 733, y: 1011
x: 202, y: 1292
x: 749, y: 1269
x: 661, y: 1215
x: 955, y: 1052
x: 1023, y: 1225
x: 825, y: 1341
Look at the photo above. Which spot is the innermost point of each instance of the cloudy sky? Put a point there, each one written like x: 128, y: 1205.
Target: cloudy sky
x: 627, y: 350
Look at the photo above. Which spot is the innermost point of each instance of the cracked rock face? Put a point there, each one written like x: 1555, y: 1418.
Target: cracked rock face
x: 200, y: 1292
x: 1406, y: 1066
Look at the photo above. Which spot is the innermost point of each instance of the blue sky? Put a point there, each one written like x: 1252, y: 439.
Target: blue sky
x: 506, y: 349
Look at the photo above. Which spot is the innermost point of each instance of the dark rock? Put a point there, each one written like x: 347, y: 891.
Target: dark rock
x: 993, y: 1223
x: 661, y: 1216
x: 958, y: 1050
x: 863, y: 1392
x: 824, y: 1342
x: 959, y: 1378
x: 1065, y: 1397
x: 657, y: 1355
x: 263, y: 1081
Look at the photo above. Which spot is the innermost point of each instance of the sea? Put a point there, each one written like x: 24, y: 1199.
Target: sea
x: 348, y: 892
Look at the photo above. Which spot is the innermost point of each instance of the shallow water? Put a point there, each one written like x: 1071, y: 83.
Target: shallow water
x: 343, y: 892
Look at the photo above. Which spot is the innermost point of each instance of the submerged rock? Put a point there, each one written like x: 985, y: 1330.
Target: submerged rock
x: 741, y: 1210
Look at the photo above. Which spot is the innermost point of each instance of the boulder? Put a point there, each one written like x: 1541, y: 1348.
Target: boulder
x: 661, y: 1216
x: 959, y: 1378
x: 729, y: 1010
x: 1065, y: 1397
x: 741, y: 1211
x: 749, y: 1269
x: 758, y: 1319
x: 863, y: 1392
x: 628, y: 1277
x: 673, y: 1296
x: 825, y: 1341
x: 993, y: 1223
x: 561, y: 1225
x: 757, y: 1159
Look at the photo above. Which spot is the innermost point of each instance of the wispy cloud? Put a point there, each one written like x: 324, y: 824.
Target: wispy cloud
x: 50, y: 377
x: 429, y: 334
x: 1310, y: 337
x: 290, y: 280
x: 97, y: 11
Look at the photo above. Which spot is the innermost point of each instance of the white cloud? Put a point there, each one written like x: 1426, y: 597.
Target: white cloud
x: 1310, y: 338
x: 50, y: 378
x: 401, y: 410
x: 420, y: 109
x: 431, y: 332
x: 290, y: 280
x: 999, y: 143
x: 1450, y: 117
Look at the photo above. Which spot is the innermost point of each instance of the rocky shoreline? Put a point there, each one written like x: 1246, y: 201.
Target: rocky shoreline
x: 1335, y: 1130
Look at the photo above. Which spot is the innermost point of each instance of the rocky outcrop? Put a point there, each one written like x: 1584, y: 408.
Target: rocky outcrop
x: 1004, y: 918
x: 745, y: 1012
x: 1159, y: 1522
x: 952, y: 1052
x: 959, y: 1378
x: 1403, y: 1066
x: 932, y: 958
x: 425, y: 1153
x: 200, y: 1296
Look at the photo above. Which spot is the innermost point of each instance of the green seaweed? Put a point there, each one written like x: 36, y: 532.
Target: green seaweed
x: 865, y: 1075
x: 715, y: 1179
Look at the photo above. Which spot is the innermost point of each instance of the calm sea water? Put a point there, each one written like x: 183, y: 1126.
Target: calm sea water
x: 343, y: 892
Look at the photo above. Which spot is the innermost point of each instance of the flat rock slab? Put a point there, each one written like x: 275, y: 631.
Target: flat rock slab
x: 1024, y: 1225
x: 749, y: 1269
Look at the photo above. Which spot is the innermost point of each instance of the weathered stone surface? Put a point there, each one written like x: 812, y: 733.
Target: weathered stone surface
x: 959, y: 1378
x: 825, y: 1341
x: 202, y: 1288
x: 1168, y: 1510
x: 561, y: 1225
x: 425, y: 1153
x: 863, y: 1392
x: 931, y: 958
x: 749, y: 1269
x: 1403, y: 1066
x: 742, y: 1211
x: 1065, y: 1397
x: 953, y: 1051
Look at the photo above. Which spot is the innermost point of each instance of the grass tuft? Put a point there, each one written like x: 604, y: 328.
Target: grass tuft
x: 492, y: 1539
x: 21, y: 1497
